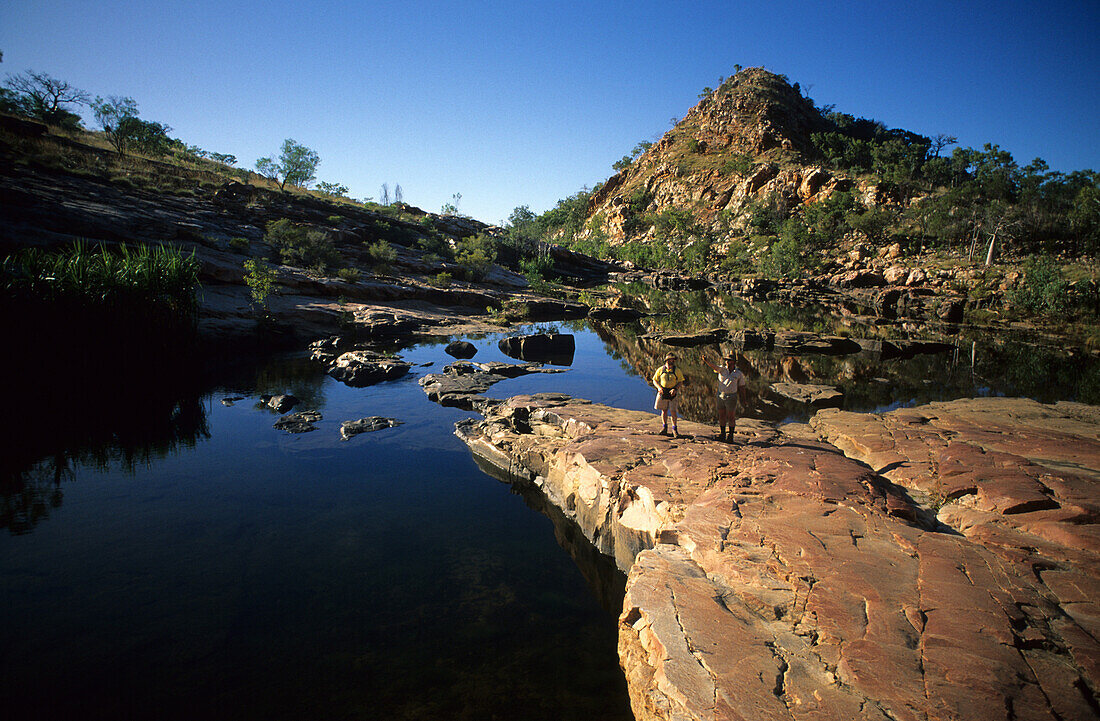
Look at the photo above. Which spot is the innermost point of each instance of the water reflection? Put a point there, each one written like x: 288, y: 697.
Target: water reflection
x: 972, y: 362
x: 125, y: 431
x: 607, y: 582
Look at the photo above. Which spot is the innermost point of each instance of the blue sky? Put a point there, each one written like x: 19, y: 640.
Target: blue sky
x: 514, y: 103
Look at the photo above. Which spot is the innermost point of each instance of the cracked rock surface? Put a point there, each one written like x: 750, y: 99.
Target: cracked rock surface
x: 940, y: 562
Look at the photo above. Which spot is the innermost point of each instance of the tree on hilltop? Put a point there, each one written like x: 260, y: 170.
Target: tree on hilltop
x: 297, y: 165
x: 43, y: 97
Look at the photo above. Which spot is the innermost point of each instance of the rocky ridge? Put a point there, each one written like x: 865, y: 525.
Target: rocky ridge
x: 939, y: 562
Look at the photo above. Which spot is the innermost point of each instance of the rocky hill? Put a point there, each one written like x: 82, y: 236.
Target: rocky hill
x: 744, y: 141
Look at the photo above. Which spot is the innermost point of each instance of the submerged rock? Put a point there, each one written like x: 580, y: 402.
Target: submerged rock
x: 300, y: 422
x: 366, y: 425
x: 796, y: 343
x: 461, y: 384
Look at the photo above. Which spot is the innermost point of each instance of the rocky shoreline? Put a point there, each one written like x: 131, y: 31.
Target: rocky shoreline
x: 938, y: 562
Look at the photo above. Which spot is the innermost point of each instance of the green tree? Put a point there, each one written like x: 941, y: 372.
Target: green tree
x: 297, y: 165
x: 146, y: 136
x: 114, y: 116
x: 340, y: 191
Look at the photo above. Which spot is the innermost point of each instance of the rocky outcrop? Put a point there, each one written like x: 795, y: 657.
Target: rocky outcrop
x: 951, y: 572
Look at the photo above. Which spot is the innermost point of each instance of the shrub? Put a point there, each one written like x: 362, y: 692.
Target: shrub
x: 381, y: 254
x: 740, y: 164
x: 441, y: 279
x: 537, y: 267
x: 240, y: 245
x: 300, y: 246
x: 349, y: 274
x: 1043, y: 289
x: 475, y: 255
x: 260, y: 279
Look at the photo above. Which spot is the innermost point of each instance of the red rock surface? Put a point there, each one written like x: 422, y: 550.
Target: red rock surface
x: 780, y: 578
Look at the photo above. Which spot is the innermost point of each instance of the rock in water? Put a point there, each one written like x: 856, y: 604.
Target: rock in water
x: 461, y: 349
x: 363, y: 368
x: 282, y: 403
x: 556, y: 348
x: 366, y: 425
x: 300, y: 422
x: 810, y: 394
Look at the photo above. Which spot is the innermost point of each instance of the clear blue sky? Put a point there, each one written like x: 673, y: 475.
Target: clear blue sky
x: 522, y: 103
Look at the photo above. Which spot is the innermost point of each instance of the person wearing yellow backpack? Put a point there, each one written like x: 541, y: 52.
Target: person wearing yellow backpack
x: 667, y: 380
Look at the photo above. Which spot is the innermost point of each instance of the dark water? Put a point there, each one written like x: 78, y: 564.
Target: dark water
x: 241, y: 572
x: 168, y: 556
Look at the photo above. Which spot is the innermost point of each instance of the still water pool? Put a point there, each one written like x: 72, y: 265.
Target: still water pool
x: 186, y: 560
x: 251, y: 573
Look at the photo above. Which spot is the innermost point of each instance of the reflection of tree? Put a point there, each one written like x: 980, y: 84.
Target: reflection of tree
x: 98, y: 419
x: 26, y: 498
x: 298, y: 376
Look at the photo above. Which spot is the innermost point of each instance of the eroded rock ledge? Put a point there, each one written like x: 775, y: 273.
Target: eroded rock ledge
x: 948, y: 569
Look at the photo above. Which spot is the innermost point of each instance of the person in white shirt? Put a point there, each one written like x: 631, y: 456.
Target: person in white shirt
x: 733, y: 394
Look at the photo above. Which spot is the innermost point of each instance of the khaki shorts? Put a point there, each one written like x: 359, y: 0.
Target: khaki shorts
x: 730, y: 402
x: 666, y: 404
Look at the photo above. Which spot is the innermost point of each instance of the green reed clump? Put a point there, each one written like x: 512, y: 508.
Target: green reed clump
x: 145, y: 293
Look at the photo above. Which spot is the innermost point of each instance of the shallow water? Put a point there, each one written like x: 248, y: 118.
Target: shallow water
x: 192, y: 561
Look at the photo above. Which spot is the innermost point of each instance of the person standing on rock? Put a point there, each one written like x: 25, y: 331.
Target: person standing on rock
x: 733, y: 394
x: 667, y: 380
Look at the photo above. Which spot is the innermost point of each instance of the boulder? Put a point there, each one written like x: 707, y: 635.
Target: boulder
x: 862, y: 278
x: 361, y: 368
x: 366, y: 425
x: 556, y: 348
x: 895, y: 275
x: 746, y: 339
x: 691, y: 340
x: 950, y: 310
x: 461, y: 349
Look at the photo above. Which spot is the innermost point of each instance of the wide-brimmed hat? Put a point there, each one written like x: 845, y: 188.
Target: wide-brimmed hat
x: 732, y: 357
x: 670, y: 356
